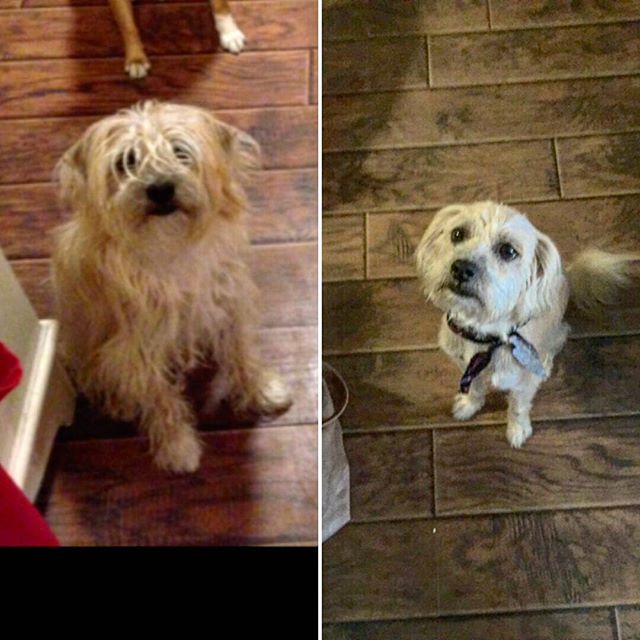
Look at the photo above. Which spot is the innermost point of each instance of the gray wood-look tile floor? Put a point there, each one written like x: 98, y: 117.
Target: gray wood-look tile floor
x: 455, y: 535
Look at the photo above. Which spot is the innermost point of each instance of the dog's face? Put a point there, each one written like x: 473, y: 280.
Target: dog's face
x: 486, y: 262
x: 157, y: 170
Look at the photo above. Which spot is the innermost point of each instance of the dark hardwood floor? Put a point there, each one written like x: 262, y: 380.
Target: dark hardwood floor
x: 454, y: 535
x: 61, y: 69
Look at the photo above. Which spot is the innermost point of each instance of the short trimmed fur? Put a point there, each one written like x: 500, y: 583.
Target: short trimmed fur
x: 529, y: 292
x: 136, y: 63
x: 144, y: 296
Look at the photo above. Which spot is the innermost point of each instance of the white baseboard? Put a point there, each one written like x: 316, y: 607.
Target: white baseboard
x: 49, y: 402
x: 31, y: 414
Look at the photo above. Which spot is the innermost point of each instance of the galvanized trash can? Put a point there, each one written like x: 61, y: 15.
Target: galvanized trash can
x: 336, y: 508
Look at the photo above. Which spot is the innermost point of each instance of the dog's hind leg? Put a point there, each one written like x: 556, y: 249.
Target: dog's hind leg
x: 136, y: 63
x: 252, y: 387
x: 231, y: 38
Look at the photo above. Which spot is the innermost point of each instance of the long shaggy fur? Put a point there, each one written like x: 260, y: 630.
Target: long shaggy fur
x: 529, y: 292
x: 142, y: 298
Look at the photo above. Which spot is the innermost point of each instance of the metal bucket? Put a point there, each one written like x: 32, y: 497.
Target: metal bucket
x: 336, y: 508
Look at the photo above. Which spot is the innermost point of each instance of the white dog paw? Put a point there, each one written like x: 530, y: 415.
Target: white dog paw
x: 465, y: 407
x: 180, y: 454
x: 273, y: 397
x: 231, y: 38
x: 233, y: 41
x: 518, y: 433
x: 137, y: 68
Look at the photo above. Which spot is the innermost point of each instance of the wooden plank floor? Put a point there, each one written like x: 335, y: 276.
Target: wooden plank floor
x: 61, y: 69
x: 454, y: 535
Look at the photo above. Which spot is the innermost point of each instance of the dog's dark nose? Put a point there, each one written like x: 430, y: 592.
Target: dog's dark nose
x: 463, y: 270
x: 161, y: 192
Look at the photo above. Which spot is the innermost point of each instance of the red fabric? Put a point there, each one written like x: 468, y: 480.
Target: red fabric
x: 10, y: 371
x: 21, y: 525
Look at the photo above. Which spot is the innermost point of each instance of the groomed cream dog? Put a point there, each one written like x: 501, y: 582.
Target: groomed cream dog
x: 502, y: 287
x: 150, y: 273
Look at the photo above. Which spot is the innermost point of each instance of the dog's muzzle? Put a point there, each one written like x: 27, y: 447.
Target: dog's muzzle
x: 463, y: 271
x: 162, y: 198
x: 464, y: 276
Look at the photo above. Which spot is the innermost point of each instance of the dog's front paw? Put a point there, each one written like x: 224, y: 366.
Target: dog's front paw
x: 180, y: 454
x: 272, y: 397
x: 231, y: 38
x: 233, y: 41
x: 466, y: 406
x: 137, y: 66
x: 518, y: 431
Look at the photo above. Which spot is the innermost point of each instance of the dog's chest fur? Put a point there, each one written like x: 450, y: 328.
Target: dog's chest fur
x: 177, y: 310
x: 198, y: 292
x: 503, y: 371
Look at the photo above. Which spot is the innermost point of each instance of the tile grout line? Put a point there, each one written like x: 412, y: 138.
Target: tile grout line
x: 64, y: 7
x: 26, y: 62
x: 425, y: 346
x: 434, y: 502
x: 542, y: 422
x: 432, y: 209
x: 506, y: 82
x: 365, y: 245
x: 479, y: 31
x: 428, y: 55
x: 434, y: 205
x: 311, y: 75
x: 425, y: 45
x: 473, y: 142
x: 215, y: 432
x: 101, y: 114
x: 61, y: 5
x: 438, y: 555
x: 556, y: 157
x: 463, y: 87
x: 545, y: 511
x: 549, y: 609
x: 618, y: 628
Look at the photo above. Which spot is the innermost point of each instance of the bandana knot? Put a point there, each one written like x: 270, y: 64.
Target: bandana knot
x: 522, y: 350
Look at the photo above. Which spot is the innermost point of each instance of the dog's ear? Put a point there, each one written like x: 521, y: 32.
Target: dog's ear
x: 546, y: 278
x: 71, y: 171
x: 241, y: 149
x: 434, y: 231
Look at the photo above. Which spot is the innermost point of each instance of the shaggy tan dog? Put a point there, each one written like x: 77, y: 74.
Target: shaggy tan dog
x: 150, y: 274
x: 504, y: 292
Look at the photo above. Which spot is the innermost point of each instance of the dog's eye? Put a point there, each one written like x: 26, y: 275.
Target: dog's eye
x: 181, y: 153
x: 506, y: 252
x: 126, y: 162
x: 458, y: 235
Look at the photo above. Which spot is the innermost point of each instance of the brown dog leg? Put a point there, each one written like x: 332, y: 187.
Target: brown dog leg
x: 136, y: 63
x: 231, y: 38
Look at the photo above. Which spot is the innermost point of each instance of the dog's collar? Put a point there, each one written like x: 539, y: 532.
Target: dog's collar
x: 522, y: 350
x: 473, y: 335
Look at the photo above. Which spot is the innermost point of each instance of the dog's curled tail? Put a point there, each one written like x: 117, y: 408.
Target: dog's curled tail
x: 596, y: 277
